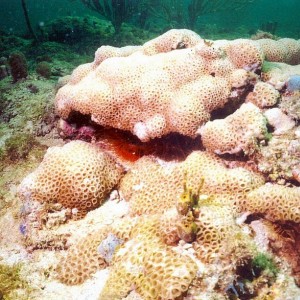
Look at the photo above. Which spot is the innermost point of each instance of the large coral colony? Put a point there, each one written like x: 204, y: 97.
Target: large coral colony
x: 221, y: 222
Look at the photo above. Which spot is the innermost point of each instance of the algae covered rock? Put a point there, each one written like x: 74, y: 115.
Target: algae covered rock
x: 18, y: 66
x: 43, y: 68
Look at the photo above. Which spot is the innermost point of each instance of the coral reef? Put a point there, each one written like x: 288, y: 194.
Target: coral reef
x: 145, y: 191
x: 158, y: 113
x: 280, y: 121
x: 82, y: 260
x: 290, y: 104
x: 205, y: 74
x: 241, y: 131
x: 280, y: 157
x: 275, y: 202
x: 78, y: 175
x: 263, y: 95
x: 199, y: 139
x: 284, y: 241
x: 277, y: 74
x: 284, y: 50
x: 139, y: 262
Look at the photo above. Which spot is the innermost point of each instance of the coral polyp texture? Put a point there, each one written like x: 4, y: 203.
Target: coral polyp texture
x: 219, y: 180
x: 153, y: 188
x: 215, y: 223
x: 245, y: 54
x: 94, y: 251
x: 145, y: 263
x: 158, y: 272
x: 155, y: 226
x: 185, y: 227
x: 284, y: 50
x: 276, y: 202
x: 83, y: 260
x: 171, y: 40
x: 141, y: 259
x: 240, y: 131
x: 144, y: 186
x: 170, y: 84
x: 263, y: 95
x: 78, y: 176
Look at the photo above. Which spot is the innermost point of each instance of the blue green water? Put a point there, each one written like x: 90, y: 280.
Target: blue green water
x: 285, y: 13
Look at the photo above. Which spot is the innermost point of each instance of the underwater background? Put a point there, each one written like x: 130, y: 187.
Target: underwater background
x: 55, y: 26
x: 252, y: 16
x: 218, y: 203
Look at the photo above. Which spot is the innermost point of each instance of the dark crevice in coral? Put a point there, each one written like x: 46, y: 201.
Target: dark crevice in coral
x: 127, y: 146
x: 252, y: 273
x: 79, y: 119
x: 253, y: 217
x: 285, y: 243
x: 232, y: 104
x: 270, y: 128
x: 124, y: 144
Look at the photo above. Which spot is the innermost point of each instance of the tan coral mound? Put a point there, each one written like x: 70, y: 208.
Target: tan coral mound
x: 218, y: 179
x: 154, y: 269
x: 171, y: 40
x: 263, y: 95
x: 83, y: 260
x: 215, y: 225
x: 105, y: 52
x: 275, y: 202
x: 84, y: 257
x: 284, y: 50
x: 154, y: 90
x: 141, y: 260
x: 78, y: 175
x: 150, y: 187
x: 147, y: 95
x: 153, y: 188
x: 172, y: 83
x: 240, y: 131
x: 244, y: 54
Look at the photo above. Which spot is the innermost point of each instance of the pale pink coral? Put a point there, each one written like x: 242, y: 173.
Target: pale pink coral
x: 238, y: 132
x: 170, y: 84
x: 152, y: 90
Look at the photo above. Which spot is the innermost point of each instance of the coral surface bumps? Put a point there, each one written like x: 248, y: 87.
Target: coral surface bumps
x: 171, y: 84
x: 240, y: 131
x: 78, y: 175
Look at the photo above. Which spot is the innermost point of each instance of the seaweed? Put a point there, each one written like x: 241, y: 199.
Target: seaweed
x: 264, y: 263
x: 18, y: 145
x: 12, y: 285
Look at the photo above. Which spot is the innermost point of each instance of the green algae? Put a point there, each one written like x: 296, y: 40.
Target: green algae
x: 12, y: 284
x: 12, y: 173
x: 18, y: 146
x: 265, y: 263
